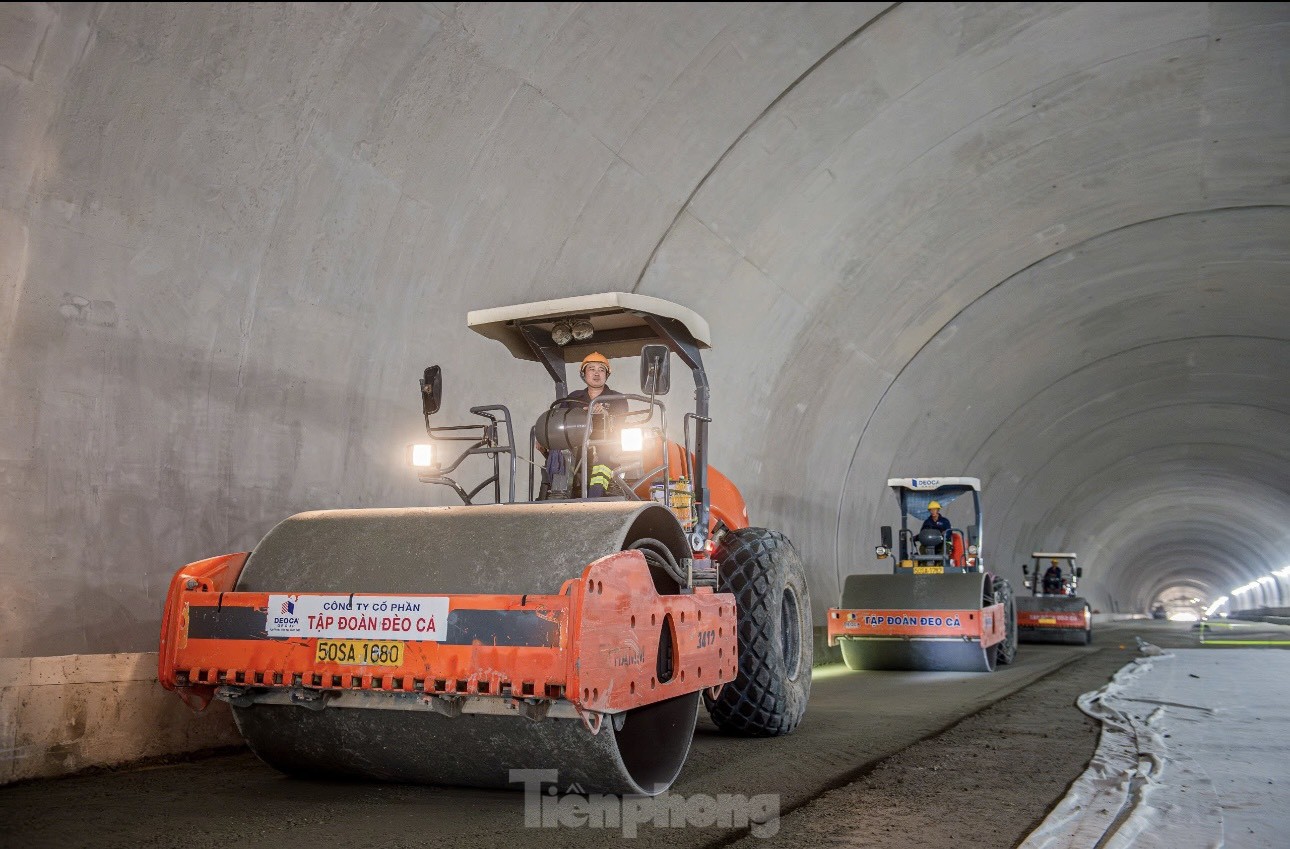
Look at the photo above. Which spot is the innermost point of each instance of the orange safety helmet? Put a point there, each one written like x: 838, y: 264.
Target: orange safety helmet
x: 595, y: 357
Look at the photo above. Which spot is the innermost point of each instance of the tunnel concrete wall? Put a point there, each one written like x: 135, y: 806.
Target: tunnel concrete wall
x: 1041, y: 245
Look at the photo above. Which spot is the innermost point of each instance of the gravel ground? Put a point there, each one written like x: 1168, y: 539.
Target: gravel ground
x: 885, y: 760
x: 986, y: 782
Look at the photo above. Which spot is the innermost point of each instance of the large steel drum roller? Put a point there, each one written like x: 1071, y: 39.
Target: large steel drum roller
x: 917, y: 593
x: 511, y: 549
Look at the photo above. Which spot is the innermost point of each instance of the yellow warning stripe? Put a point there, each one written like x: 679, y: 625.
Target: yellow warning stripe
x: 1245, y: 643
x: 1223, y: 641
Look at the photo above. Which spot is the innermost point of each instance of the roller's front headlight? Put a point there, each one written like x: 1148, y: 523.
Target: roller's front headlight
x: 633, y: 439
x: 421, y: 455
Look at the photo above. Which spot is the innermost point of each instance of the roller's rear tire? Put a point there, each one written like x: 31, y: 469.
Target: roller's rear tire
x: 1008, y: 647
x: 768, y: 696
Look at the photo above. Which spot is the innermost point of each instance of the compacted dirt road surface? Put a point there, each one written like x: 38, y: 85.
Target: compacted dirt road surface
x: 883, y: 759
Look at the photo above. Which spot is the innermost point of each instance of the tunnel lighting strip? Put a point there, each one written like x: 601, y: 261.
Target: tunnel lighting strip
x: 1216, y: 605
x: 1273, y: 579
x: 1266, y: 580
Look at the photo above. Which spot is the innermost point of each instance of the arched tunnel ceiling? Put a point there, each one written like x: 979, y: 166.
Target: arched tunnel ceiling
x: 1168, y: 364
x: 1043, y: 245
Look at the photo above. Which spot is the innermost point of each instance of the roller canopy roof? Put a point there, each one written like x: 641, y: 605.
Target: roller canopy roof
x: 929, y: 484
x: 618, y: 319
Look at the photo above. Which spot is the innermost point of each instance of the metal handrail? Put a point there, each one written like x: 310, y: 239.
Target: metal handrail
x: 487, y: 444
x: 945, y: 558
x: 587, y: 441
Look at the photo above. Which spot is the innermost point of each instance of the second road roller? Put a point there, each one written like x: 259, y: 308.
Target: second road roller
x: 1053, y: 611
x: 939, y: 609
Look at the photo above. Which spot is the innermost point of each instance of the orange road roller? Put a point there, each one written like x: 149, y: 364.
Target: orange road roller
x: 1053, y: 611
x: 578, y: 628
x: 939, y: 609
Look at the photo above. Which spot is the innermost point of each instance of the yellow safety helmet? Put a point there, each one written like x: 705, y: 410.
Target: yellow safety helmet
x: 595, y: 357
x: 935, y: 505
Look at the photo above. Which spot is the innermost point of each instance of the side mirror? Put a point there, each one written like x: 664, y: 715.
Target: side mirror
x: 656, y: 370
x: 431, y: 390
x: 1025, y: 569
x: 1079, y: 572
x: 885, y: 534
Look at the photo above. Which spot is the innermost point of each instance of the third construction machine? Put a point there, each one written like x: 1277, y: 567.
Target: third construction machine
x: 939, y: 609
x: 451, y: 645
x: 1053, y: 612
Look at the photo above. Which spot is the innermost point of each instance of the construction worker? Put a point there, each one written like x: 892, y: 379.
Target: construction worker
x: 935, y: 521
x: 599, y: 398
x: 1053, y: 579
x: 595, y: 373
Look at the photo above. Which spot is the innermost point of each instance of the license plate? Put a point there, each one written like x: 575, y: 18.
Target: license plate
x: 929, y: 570
x: 360, y: 652
x: 1047, y: 620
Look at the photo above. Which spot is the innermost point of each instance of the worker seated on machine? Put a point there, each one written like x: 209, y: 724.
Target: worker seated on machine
x: 1053, y: 583
x: 935, y: 531
x: 600, y: 399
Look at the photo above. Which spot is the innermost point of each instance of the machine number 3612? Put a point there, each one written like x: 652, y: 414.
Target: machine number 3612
x: 361, y: 652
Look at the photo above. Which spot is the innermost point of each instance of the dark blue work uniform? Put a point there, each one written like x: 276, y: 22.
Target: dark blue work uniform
x: 941, y: 524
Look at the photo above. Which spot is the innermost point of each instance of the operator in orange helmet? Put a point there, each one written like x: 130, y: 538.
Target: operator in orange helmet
x: 595, y: 373
x: 600, y: 398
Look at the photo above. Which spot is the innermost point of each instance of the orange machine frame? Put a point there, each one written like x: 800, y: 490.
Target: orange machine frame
x: 1053, y: 619
x: 957, y: 554
x: 726, y: 503
x: 986, y: 624
x: 601, y: 652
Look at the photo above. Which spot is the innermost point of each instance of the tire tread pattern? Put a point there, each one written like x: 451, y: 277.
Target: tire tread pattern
x: 754, y: 564
x: 1003, y: 593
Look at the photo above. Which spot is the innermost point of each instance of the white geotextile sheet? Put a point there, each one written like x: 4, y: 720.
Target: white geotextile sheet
x: 1194, y: 752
